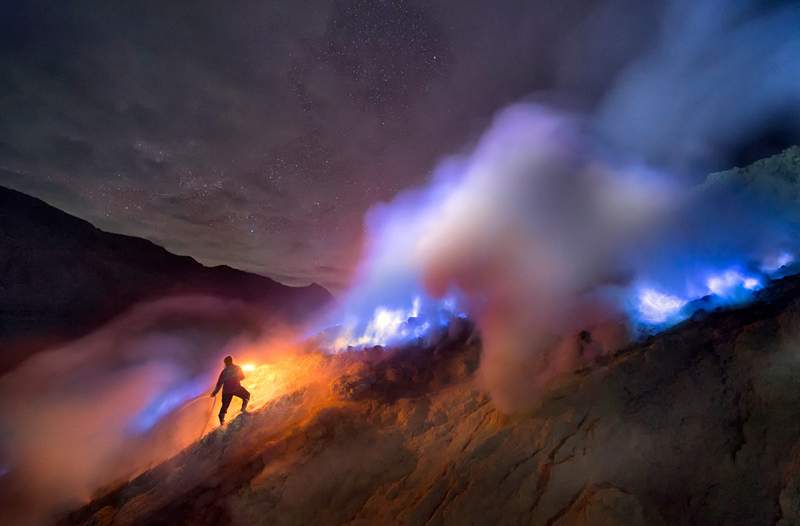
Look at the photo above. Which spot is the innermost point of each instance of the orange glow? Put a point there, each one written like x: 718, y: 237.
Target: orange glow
x: 281, y: 376
x: 280, y: 373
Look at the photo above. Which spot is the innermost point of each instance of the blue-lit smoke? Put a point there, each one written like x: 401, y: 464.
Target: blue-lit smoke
x: 654, y: 309
x: 163, y: 403
x: 77, y: 417
x: 388, y: 304
x: 557, y: 223
x: 719, y: 69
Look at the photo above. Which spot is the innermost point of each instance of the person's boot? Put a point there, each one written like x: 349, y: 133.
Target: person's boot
x: 244, y: 406
x: 221, y: 420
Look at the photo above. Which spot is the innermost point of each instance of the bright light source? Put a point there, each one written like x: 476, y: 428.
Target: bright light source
x: 249, y: 367
x: 727, y: 283
x: 752, y: 284
x: 388, y: 326
x: 657, y: 307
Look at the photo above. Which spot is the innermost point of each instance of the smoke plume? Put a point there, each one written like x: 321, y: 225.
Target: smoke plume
x: 562, y: 232
x: 109, y: 405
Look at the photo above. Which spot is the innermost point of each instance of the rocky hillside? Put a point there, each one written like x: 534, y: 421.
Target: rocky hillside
x: 61, y: 277
x: 697, y: 425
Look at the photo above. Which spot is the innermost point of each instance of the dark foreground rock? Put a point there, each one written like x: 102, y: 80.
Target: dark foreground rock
x: 695, y: 426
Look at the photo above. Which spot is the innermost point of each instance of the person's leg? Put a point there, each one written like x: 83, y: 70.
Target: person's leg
x: 244, y: 394
x: 226, y: 401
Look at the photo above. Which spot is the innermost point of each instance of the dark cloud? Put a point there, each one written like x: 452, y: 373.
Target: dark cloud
x: 258, y: 133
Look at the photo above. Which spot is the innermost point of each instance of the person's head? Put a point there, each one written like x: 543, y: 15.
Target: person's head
x: 229, y: 360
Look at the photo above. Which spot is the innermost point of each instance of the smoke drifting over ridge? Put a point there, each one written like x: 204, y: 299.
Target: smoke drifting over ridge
x: 81, y: 416
x: 558, y: 223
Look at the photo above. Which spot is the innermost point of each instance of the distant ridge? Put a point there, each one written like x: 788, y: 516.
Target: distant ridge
x: 61, y: 277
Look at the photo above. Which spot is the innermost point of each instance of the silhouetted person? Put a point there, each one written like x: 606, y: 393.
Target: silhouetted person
x: 229, y: 382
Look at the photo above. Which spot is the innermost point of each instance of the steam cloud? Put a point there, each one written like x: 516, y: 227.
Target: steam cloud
x: 88, y: 414
x: 559, y: 223
x: 556, y: 223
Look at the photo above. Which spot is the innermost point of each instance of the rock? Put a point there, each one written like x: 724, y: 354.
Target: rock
x: 103, y: 517
x: 693, y: 426
x: 604, y: 506
x: 696, y: 425
x: 354, y: 386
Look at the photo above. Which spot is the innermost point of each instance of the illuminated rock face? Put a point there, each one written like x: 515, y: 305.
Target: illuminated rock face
x: 697, y: 425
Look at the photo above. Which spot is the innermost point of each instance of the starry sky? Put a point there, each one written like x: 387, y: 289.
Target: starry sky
x: 257, y: 134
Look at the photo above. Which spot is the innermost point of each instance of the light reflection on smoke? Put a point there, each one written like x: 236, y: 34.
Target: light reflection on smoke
x: 526, y: 233
x: 775, y: 263
x: 498, y: 222
x: 76, y: 417
x: 165, y: 402
x: 558, y: 223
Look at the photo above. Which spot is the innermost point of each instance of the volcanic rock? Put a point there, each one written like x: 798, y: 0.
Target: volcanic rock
x: 697, y: 425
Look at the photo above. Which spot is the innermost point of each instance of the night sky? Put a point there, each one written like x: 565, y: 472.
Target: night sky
x: 256, y: 134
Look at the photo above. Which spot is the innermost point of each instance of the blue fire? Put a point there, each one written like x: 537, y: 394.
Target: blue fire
x: 656, y: 308
x: 650, y: 307
x: 412, y: 318
x: 550, y: 207
x: 166, y: 402
x: 388, y: 304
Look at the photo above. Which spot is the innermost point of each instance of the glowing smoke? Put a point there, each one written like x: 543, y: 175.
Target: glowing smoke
x: 719, y: 69
x: 558, y: 223
x: 84, y: 415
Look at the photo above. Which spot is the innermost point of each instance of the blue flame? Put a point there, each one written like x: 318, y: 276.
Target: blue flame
x: 388, y: 304
x: 733, y: 285
x: 390, y: 323
x: 658, y: 308
x: 166, y: 402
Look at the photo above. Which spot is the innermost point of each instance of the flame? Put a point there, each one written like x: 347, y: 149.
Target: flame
x: 726, y: 287
x: 267, y: 381
x: 386, y: 326
x: 277, y: 377
x: 730, y: 281
x: 656, y: 307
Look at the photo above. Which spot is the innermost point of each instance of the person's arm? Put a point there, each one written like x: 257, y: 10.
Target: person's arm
x: 239, y: 373
x: 219, y: 384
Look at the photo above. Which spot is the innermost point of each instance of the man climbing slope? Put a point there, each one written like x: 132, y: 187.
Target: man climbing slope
x: 229, y: 381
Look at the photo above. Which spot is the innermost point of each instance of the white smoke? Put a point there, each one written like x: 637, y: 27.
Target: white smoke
x: 88, y: 414
x: 559, y: 223
x: 719, y: 69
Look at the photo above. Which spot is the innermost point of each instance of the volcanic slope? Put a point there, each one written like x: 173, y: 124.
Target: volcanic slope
x: 697, y: 425
x: 60, y: 278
